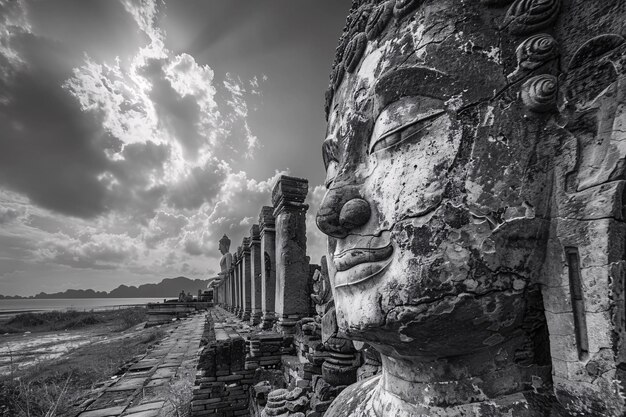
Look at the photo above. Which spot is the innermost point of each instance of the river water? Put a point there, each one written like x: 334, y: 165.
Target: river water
x: 10, y: 308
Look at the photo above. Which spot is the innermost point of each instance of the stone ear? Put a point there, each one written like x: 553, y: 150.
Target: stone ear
x: 593, y: 68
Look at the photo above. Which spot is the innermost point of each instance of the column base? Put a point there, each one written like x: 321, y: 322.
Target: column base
x: 340, y: 369
x: 286, y: 325
x: 244, y: 315
x: 255, y: 318
x: 267, y: 320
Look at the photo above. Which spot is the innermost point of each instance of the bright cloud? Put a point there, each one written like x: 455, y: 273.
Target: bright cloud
x: 158, y: 154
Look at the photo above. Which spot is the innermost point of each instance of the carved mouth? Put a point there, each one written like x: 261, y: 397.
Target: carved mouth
x: 353, y: 257
x: 359, y: 264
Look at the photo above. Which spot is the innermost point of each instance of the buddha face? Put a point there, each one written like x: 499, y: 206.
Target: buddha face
x: 223, y: 247
x: 437, y: 183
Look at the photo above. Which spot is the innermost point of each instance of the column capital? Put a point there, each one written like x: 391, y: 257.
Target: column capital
x: 289, y: 193
x: 245, y: 246
x: 267, y: 222
x: 255, y: 235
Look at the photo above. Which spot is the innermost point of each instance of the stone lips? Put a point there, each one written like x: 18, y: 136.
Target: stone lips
x: 353, y: 257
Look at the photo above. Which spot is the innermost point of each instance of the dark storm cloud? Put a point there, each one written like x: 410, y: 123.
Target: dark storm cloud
x: 202, y: 184
x: 140, y: 160
x: 102, y: 27
x: 50, y: 150
x: 177, y: 114
x: 112, y: 164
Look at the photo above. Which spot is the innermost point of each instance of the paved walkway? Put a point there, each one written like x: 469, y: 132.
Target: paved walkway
x: 159, y: 382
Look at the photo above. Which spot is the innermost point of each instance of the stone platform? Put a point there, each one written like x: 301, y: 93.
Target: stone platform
x: 142, y: 391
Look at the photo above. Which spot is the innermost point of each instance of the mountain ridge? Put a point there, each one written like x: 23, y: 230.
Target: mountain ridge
x: 167, y: 288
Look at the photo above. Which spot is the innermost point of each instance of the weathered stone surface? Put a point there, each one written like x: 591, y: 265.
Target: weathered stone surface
x: 226, y: 262
x: 268, y: 265
x: 476, y: 160
x: 255, y: 283
x: 292, y: 266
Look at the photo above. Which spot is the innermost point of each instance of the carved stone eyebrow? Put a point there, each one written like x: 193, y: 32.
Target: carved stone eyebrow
x: 413, y: 81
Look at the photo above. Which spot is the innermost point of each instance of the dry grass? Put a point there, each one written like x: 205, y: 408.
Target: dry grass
x: 56, y: 388
x: 121, y: 319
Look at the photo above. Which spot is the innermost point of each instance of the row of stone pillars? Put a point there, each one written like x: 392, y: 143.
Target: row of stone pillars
x: 267, y: 282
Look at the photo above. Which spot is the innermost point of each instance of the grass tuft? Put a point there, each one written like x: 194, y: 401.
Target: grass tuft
x: 121, y: 319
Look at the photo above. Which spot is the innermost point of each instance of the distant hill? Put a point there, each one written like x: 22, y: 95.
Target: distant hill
x: 168, y: 288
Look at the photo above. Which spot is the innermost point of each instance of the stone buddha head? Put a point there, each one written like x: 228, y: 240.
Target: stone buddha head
x: 438, y: 180
x: 472, y: 151
x: 224, y: 245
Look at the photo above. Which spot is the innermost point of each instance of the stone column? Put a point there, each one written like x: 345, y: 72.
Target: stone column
x: 231, y: 277
x: 255, y: 284
x: 268, y: 266
x: 246, y: 278
x: 292, y: 267
x: 240, y: 302
x: 236, y: 275
x: 226, y: 302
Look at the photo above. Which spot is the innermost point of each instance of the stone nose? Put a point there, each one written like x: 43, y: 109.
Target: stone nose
x: 342, y: 210
x: 354, y: 213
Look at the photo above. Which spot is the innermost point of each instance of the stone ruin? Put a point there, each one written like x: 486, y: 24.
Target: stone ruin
x: 475, y: 159
x: 272, y: 345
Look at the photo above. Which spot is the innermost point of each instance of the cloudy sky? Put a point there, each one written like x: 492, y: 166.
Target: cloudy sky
x: 134, y: 133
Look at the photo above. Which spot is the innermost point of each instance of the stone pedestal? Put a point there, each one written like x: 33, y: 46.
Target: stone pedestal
x: 246, y: 278
x: 255, y: 284
x: 268, y: 266
x: 292, y: 267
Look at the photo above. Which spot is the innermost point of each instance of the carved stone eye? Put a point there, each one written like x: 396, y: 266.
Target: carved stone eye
x: 528, y: 16
x: 412, y: 131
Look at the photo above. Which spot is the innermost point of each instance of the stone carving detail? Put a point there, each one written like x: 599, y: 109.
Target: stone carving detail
x: 539, y: 93
x: 461, y: 228
x: 379, y: 19
x: 533, y: 53
x: 403, y: 7
x: 528, y: 16
x: 354, y: 52
x: 495, y: 3
x: 359, y: 20
x: 227, y: 259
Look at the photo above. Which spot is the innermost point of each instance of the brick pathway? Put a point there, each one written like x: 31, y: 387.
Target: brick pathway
x: 154, y: 384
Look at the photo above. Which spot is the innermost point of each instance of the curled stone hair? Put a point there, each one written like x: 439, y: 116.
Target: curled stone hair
x: 368, y: 19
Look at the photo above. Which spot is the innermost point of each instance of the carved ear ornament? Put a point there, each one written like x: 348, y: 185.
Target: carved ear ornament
x: 528, y: 16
